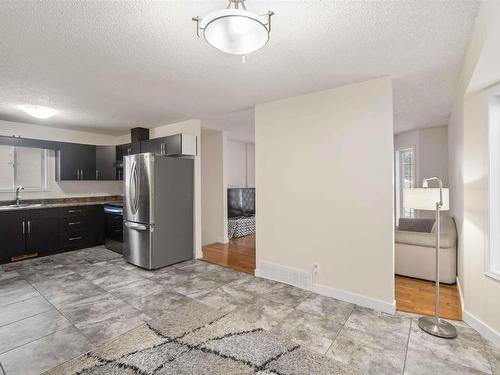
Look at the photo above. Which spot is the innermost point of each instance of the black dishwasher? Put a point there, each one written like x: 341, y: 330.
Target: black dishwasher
x: 113, y: 227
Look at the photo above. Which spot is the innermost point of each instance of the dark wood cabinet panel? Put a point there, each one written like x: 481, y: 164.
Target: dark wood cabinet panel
x: 12, y: 233
x: 172, y: 145
x: 76, y: 162
x: 67, y: 164
x: 153, y: 146
x: 80, y: 227
x: 48, y: 231
x: 87, y: 161
x: 41, y: 236
x: 105, y: 159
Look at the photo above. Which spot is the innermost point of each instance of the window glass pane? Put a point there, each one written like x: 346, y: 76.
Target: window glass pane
x: 6, y: 167
x: 406, y: 177
x: 30, y: 167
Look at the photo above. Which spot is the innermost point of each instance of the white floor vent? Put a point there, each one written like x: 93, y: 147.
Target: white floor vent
x: 287, y: 275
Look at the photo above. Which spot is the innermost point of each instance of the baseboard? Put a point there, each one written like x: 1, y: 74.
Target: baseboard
x: 484, y: 329
x: 460, y: 294
x: 303, y: 280
x: 358, y: 299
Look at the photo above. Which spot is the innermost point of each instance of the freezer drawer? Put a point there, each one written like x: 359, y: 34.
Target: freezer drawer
x: 137, y: 241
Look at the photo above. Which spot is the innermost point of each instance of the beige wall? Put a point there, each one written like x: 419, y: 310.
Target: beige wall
x: 431, y: 153
x: 63, y: 188
x: 481, y: 293
x: 431, y: 148
x: 213, y: 187
x: 468, y: 171
x: 324, y: 179
x: 239, y: 158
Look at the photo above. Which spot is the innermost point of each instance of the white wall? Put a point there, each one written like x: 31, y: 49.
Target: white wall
x: 64, y: 188
x: 324, y: 162
x: 213, y: 187
x: 239, y: 158
x: 431, y: 154
x: 250, y: 164
x: 468, y: 156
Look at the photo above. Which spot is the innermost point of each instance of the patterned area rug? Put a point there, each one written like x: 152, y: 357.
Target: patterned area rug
x: 200, y: 341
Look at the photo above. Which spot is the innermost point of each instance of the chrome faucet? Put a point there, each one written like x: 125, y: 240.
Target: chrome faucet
x: 18, y: 194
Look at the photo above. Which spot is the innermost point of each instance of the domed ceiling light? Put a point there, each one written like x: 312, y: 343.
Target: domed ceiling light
x: 235, y: 30
x: 38, y: 111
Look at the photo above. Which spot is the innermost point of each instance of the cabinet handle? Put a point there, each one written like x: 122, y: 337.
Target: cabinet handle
x: 82, y: 174
x: 73, y: 211
x: 24, y: 228
x: 118, y: 230
x: 75, y: 223
x: 74, y: 238
x: 96, y: 174
x: 29, y: 226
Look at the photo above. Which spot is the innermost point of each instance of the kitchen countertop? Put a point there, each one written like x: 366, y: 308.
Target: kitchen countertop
x: 34, y: 204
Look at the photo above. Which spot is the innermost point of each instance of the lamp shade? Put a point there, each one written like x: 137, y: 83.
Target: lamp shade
x: 425, y: 198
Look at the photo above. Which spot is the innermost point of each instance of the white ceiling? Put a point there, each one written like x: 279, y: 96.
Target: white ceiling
x: 109, y: 66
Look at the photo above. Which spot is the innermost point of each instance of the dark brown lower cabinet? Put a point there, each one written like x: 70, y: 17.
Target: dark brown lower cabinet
x: 41, y: 231
x: 45, y: 231
x: 28, y: 232
x: 12, y: 234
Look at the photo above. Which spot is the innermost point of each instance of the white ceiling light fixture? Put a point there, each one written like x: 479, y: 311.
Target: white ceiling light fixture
x: 38, y: 111
x: 235, y: 30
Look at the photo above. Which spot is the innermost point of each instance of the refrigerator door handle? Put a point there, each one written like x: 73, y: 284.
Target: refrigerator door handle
x: 139, y: 227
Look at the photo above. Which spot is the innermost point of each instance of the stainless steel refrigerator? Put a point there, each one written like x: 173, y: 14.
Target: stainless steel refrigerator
x: 158, y: 210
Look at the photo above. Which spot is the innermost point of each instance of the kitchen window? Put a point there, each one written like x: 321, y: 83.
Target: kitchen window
x: 405, y: 178
x: 23, y: 166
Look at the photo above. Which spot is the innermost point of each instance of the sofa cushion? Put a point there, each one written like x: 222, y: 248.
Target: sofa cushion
x: 416, y: 225
x: 425, y: 239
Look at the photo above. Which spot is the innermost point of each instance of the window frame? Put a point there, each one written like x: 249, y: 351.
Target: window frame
x: 45, y: 173
x: 400, y: 211
x: 492, y: 251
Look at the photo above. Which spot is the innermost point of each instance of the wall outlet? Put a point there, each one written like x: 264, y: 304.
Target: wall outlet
x: 315, y: 269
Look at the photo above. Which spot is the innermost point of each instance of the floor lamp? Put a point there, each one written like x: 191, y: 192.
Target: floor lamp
x: 437, y: 199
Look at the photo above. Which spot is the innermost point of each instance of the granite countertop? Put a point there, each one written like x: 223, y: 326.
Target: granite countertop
x: 33, y: 204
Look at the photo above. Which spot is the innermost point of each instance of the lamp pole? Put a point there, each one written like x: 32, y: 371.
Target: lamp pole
x: 435, y: 325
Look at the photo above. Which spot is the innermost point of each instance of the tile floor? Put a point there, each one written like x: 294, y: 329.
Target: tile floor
x: 55, y: 308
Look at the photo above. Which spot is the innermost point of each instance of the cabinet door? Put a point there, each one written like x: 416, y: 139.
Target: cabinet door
x: 151, y: 145
x: 68, y: 158
x: 42, y: 236
x: 87, y: 156
x: 12, y: 235
x: 96, y: 225
x: 105, y: 158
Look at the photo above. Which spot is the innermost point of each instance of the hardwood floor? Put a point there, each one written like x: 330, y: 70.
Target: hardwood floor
x: 238, y: 254
x: 417, y: 296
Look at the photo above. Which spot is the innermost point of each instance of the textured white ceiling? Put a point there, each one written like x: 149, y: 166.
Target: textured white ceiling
x: 109, y: 66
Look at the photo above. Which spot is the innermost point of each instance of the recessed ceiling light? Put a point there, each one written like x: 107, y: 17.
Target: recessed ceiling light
x: 235, y: 31
x: 39, y: 111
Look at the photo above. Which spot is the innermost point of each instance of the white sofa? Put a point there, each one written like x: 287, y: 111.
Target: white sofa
x: 415, y: 249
